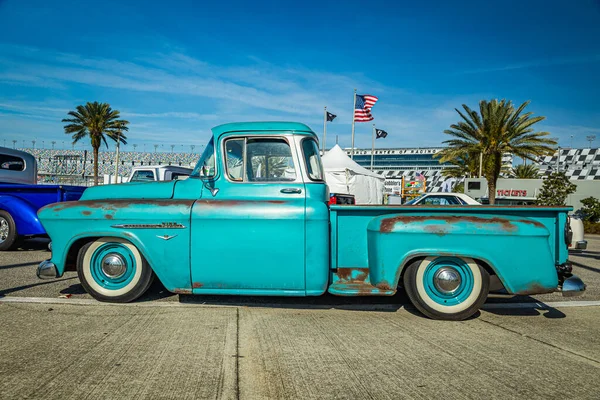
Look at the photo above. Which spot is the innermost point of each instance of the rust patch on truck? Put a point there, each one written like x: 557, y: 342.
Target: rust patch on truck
x: 440, y: 230
x: 197, y: 285
x: 535, y: 288
x: 108, y: 216
x: 233, y: 203
x: 387, y: 224
x: 182, y: 291
x: 114, y: 205
x: 86, y: 212
x: 345, y: 274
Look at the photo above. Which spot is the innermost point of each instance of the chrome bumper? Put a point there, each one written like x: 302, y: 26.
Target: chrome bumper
x: 572, y: 286
x: 47, y: 270
x: 581, y: 245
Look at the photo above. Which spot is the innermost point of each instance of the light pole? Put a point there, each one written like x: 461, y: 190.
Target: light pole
x: 117, y: 155
x: 192, y: 147
x: 14, y: 144
x: 571, y: 141
x: 172, y: 147
x: 134, y: 147
x: 53, y: 143
x: 590, y: 139
x: 33, y: 143
x: 43, y: 145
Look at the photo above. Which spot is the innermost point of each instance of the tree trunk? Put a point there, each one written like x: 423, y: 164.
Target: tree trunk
x: 492, y: 191
x: 95, y: 166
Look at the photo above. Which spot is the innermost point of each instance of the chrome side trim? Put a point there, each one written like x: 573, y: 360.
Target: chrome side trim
x: 162, y: 225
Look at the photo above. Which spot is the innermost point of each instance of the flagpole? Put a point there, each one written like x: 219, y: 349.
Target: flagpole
x: 353, y: 111
x: 324, y: 129
x: 372, y: 147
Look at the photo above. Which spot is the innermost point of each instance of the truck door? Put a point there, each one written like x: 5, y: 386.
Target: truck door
x: 250, y: 236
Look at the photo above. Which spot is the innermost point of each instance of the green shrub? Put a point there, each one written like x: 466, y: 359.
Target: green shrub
x: 590, y: 210
x: 591, y: 228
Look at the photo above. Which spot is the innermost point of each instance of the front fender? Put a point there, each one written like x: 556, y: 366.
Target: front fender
x: 24, y: 214
x: 516, y: 248
x: 158, y: 228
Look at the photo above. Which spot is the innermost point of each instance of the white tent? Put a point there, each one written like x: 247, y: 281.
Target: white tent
x: 345, y: 176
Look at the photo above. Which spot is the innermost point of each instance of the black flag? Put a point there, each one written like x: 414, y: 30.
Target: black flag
x: 380, y: 133
x: 330, y: 116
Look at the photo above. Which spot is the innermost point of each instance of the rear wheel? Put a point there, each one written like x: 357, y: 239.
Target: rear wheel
x: 9, y: 238
x: 113, y: 270
x: 448, y: 288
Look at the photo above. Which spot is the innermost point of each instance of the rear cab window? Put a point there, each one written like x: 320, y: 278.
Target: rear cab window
x: 11, y: 163
x: 143, y: 176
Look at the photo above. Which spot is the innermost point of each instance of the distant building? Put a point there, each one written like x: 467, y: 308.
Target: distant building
x: 395, y: 163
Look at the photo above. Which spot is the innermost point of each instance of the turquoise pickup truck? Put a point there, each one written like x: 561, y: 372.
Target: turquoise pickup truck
x: 254, y: 219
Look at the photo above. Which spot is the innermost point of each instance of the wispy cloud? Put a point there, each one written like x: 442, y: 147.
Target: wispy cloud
x: 592, y: 58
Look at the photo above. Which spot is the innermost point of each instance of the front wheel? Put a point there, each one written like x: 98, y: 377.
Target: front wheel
x: 9, y: 238
x: 113, y: 270
x: 447, y: 288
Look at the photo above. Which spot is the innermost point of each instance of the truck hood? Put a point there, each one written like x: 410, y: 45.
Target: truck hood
x: 144, y: 190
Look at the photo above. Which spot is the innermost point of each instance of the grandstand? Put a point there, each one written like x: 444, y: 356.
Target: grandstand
x: 396, y: 163
x: 76, y: 166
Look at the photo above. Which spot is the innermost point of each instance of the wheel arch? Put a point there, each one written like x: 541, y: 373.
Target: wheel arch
x: 419, y: 255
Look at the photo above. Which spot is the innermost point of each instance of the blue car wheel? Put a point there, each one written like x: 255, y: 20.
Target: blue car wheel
x: 112, y: 269
x: 446, y: 287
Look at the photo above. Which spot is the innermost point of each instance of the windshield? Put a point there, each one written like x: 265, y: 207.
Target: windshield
x: 206, y: 164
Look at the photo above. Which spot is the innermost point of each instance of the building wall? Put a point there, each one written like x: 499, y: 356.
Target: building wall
x: 517, y: 191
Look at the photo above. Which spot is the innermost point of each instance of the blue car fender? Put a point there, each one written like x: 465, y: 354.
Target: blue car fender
x: 24, y: 214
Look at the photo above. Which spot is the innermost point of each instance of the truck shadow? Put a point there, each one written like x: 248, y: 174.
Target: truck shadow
x: 326, y: 301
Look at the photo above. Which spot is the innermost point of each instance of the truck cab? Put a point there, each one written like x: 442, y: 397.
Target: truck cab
x: 253, y: 219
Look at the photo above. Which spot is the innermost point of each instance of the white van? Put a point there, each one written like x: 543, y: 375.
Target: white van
x: 151, y: 173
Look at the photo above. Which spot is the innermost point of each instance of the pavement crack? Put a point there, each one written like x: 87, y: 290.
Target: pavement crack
x: 237, y: 353
x: 570, y: 352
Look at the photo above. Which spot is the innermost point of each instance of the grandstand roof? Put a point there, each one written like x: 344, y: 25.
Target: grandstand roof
x: 266, y: 127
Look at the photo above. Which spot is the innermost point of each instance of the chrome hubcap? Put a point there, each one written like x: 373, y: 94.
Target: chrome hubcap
x: 114, y: 265
x: 3, y: 229
x: 447, y: 280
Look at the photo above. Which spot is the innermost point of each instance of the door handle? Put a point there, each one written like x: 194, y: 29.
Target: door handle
x: 291, y: 191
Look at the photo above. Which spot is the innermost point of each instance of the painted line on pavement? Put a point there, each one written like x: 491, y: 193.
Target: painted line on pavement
x: 92, y: 302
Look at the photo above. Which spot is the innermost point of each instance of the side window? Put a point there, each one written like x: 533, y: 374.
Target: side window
x: 234, y: 154
x: 432, y: 201
x: 314, y: 167
x: 259, y: 160
x: 451, y: 200
x: 11, y: 163
x: 178, y: 175
x: 142, y: 176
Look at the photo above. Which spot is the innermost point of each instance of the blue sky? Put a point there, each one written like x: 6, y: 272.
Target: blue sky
x: 175, y: 69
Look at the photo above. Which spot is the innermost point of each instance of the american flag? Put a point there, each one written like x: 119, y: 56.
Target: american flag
x: 362, y: 108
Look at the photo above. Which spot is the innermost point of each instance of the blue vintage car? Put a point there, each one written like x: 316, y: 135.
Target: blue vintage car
x: 253, y: 219
x: 21, y: 198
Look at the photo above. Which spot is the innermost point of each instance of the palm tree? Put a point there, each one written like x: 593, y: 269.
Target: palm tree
x: 525, y: 172
x: 466, y: 166
x: 98, y: 121
x: 497, y: 129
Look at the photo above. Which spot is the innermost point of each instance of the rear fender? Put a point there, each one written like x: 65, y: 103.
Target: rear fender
x: 24, y: 214
x: 515, y: 248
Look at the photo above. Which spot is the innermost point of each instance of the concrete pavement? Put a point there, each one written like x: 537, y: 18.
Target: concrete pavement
x: 186, y: 347
x: 66, y: 351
